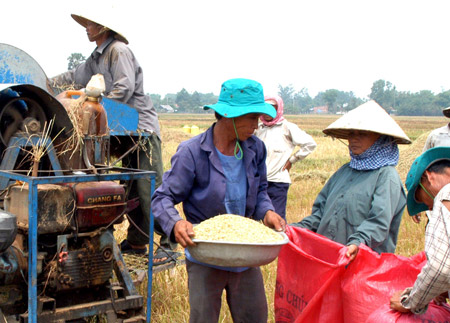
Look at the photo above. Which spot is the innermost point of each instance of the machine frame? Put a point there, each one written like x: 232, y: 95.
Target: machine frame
x: 21, y: 73
x: 120, y: 174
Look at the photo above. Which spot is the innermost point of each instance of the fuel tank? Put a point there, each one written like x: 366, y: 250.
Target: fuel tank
x: 98, y: 203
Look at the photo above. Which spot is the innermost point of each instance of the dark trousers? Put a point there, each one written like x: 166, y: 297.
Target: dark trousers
x: 147, y: 157
x: 278, y: 194
x: 246, y: 296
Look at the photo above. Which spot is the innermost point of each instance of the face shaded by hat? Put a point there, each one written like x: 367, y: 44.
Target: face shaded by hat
x: 277, y: 102
x: 369, y: 116
x: 241, y: 96
x: 83, y: 21
x: 446, y: 112
x: 418, y: 167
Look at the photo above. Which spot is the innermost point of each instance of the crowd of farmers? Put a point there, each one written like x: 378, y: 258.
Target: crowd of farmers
x: 240, y: 165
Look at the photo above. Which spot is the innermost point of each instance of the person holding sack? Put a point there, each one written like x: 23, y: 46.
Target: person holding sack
x: 363, y: 201
x: 428, y: 184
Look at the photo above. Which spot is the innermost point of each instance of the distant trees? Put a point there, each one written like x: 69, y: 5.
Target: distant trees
x: 156, y: 99
x: 300, y: 102
x: 287, y: 94
x: 74, y: 60
x: 329, y: 97
x: 295, y: 102
x: 185, y: 102
x: 384, y: 94
x: 424, y: 103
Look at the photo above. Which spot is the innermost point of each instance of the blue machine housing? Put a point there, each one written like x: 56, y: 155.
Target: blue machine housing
x: 122, y: 119
x: 21, y: 75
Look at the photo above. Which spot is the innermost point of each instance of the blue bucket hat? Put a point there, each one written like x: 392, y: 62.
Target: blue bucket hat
x: 241, y: 96
x: 418, y: 167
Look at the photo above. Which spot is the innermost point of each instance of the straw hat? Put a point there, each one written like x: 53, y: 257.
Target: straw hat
x: 369, y: 116
x: 106, y: 19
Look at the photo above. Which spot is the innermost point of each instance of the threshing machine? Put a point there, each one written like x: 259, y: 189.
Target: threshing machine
x: 59, y: 259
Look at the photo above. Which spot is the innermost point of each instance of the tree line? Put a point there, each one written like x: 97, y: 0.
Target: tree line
x: 422, y: 103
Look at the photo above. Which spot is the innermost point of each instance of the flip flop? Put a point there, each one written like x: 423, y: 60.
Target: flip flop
x: 170, y: 255
x: 126, y: 248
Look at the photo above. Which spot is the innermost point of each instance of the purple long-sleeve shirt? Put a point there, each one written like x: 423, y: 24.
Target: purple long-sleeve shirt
x: 197, y: 179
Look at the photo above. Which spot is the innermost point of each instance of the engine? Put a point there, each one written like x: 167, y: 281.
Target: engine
x: 80, y: 270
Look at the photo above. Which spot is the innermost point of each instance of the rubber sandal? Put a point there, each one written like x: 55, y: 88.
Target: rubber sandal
x: 170, y: 255
x: 126, y: 248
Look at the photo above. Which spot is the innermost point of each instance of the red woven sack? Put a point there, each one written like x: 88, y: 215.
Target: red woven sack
x: 315, y: 283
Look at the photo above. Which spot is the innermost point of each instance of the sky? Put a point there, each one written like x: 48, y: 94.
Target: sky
x: 198, y: 44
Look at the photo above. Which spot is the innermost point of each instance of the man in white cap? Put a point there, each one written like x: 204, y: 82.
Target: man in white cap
x: 124, y: 82
x: 439, y: 136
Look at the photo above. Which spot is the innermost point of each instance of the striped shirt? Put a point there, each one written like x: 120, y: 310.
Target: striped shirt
x: 434, y: 279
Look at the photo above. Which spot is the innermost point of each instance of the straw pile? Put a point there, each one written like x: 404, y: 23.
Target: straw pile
x: 75, y: 141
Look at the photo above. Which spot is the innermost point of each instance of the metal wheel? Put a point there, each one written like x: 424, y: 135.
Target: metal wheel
x: 15, y: 112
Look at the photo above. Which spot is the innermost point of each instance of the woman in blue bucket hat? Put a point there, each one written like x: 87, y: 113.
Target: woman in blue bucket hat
x: 221, y: 171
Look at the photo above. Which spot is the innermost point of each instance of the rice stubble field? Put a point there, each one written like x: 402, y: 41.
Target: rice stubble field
x: 170, y: 295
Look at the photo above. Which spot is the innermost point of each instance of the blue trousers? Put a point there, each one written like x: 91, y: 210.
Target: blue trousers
x: 278, y: 194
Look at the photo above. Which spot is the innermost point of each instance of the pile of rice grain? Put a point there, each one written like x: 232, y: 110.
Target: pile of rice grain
x: 235, y: 228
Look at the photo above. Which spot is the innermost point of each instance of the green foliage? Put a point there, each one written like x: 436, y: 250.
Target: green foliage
x: 442, y: 99
x: 286, y: 93
x: 384, y: 94
x: 156, y: 99
x: 303, y: 101
x: 423, y: 103
x: 74, y: 60
x: 337, y: 101
x: 418, y: 104
x: 330, y: 97
x: 184, y: 102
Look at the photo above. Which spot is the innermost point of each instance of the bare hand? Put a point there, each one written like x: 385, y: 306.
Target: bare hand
x: 352, y: 251
x: 274, y: 221
x: 183, y: 231
x: 287, y: 166
x: 396, y: 304
x: 441, y: 299
x: 416, y: 218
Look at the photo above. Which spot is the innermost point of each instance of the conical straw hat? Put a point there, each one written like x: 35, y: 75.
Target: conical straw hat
x: 369, y: 116
x: 107, y: 18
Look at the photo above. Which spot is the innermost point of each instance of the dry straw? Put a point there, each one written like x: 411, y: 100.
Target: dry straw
x: 39, y: 143
x: 75, y: 141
